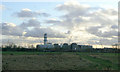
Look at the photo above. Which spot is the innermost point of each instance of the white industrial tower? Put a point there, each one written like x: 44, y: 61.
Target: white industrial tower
x: 45, y: 38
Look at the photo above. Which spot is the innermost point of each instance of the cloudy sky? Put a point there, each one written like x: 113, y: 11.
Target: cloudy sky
x: 92, y: 23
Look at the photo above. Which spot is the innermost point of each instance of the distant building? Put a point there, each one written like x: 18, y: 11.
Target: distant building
x: 46, y: 45
x: 63, y: 47
x: 85, y: 46
x: 74, y: 46
x: 56, y: 46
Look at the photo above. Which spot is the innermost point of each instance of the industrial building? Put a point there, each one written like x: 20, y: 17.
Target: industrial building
x: 46, y: 44
x: 65, y: 46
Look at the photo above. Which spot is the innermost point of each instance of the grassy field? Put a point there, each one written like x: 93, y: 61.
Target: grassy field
x: 59, y: 61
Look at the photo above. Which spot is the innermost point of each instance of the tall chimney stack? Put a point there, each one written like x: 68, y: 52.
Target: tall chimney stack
x: 45, y: 38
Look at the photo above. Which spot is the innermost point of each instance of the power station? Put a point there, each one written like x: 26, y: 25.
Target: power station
x: 46, y: 44
x: 64, y: 46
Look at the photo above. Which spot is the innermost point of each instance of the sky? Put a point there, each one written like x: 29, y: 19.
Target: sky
x: 83, y: 22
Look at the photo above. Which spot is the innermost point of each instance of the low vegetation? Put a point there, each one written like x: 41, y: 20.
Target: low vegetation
x: 59, y: 61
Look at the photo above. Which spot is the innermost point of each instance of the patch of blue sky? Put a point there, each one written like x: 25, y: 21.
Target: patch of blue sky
x: 12, y: 7
x: 48, y: 7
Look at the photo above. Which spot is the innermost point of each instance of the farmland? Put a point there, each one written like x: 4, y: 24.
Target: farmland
x: 59, y: 61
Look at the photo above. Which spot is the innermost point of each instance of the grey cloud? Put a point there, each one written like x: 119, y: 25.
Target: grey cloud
x: 8, y: 29
x: 74, y: 17
x: 109, y: 11
x: 101, y: 19
x: 114, y: 26
x: 44, y: 14
x: 72, y: 13
x: 109, y: 34
x: 30, y: 23
x: 103, y: 41
x: 68, y: 32
x: 95, y: 31
x: 70, y: 20
x: 39, y: 32
x: 13, y: 30
x: 26, y: 13
x: 75, y: 11
x: 20, y: 40
x: 53, y: 21
x: 109, y: 42
x: 65, y: 23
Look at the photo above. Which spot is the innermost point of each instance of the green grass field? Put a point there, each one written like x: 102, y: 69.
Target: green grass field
x: 59, y: 61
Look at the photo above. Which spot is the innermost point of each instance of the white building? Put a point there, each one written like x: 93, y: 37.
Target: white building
x: 46, y: 45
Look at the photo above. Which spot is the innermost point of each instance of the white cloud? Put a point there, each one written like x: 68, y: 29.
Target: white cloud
x: 83, y: 16
x: 26, y: 9
x: 83, y: 22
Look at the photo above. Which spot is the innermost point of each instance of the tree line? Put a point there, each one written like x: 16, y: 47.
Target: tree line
x: 58, y: 49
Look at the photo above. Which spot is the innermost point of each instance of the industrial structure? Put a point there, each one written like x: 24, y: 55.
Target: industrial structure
x: 65, y: 46
x: 45, y: 39
x: 46, y: 44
